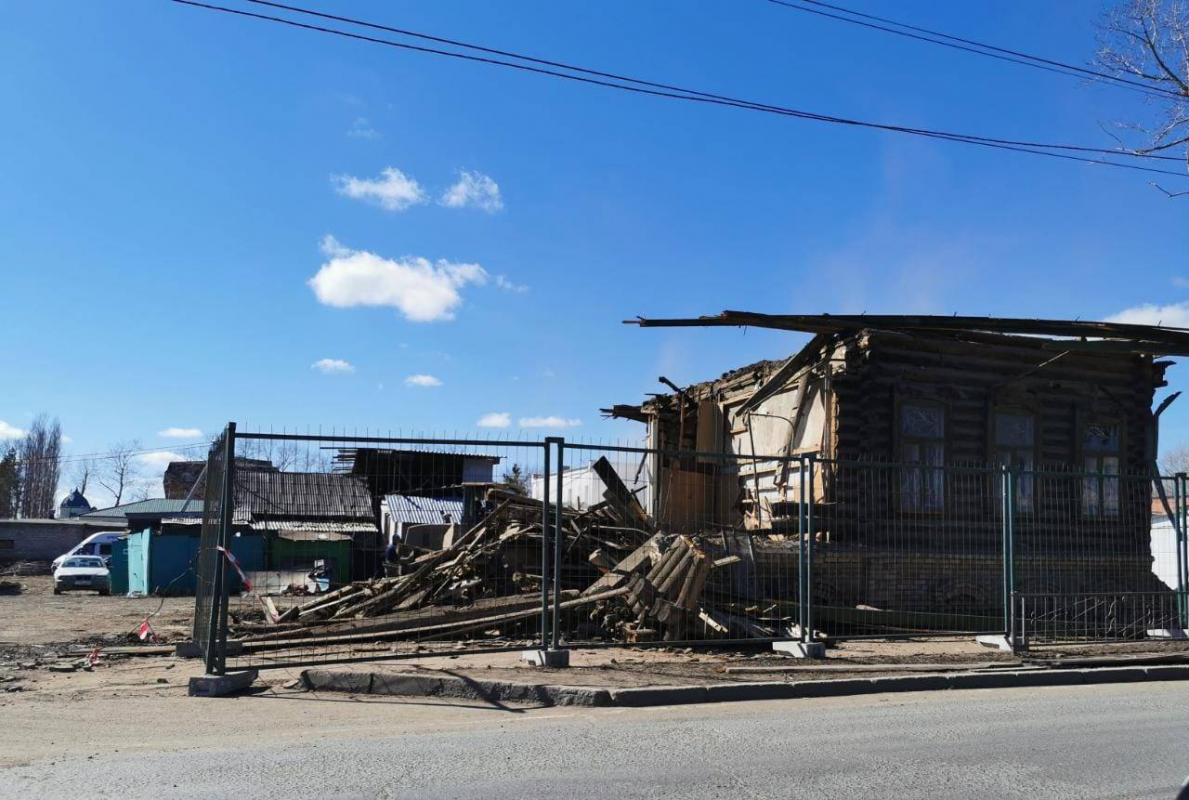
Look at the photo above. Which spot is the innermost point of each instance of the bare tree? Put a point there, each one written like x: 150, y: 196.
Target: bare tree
x: 1175, y: 459
x: 81, y: 474
x: 40, y: 455
x: 119, y: 471
x: 1148, y: 41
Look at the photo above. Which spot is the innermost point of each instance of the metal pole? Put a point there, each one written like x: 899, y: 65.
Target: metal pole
x: 1008, y: 610
x: 1181, y: 536
x: 216, y: 657
x: 801, y: 548
x: 1011, y: 545
x: 545, y: 527
x: 557, y: 544
x: 809, y: 545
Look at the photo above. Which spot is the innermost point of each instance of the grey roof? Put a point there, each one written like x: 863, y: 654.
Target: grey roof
x: 302, y: 495
x: 423, y: 510
x: 157, y: 506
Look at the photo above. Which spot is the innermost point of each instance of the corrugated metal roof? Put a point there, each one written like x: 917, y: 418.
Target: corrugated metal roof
x: 423, y: 510
x: 304, y: 495
x: 158, y: 505
x: 283, y: 526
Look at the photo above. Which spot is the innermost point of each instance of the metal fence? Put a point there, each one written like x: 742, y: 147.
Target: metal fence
x: 329, y: 548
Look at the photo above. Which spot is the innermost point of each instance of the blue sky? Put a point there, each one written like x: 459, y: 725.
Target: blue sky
x: 174, y: 179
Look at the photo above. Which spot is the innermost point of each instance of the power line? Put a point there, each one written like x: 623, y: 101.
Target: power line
x: 970, y: 46
x: 653, y: 84
x: 76, y: 457
x: 639, y: 86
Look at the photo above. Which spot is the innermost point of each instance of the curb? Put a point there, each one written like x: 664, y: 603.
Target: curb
x: 420, y: 685
x: 415, y: 685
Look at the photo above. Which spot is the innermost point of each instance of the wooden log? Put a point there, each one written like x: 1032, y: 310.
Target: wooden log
x: 382, y: 634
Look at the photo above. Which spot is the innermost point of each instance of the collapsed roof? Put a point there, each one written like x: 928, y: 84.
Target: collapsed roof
x: 1113, y: 337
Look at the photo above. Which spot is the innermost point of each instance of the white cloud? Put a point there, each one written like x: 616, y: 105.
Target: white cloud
x: 1174, y: 315
x: 422, y: 380
x: 157, y: 461
x: 421, y: 291
x: 507, y: 285
x: 10, y: 431
x: 549, y: 422
x: 362, y: 128
x: 67, y: 439
x: 474, y: 189
x: 496, y: 419
x: 333, y: 366
x: 392, y: 191
x: 180, y: 433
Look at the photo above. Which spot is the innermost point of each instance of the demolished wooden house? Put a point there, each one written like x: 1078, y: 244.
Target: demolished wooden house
x: 916, y: 394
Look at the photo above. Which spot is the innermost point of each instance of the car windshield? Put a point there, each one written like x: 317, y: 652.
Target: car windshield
x: 84, y: 562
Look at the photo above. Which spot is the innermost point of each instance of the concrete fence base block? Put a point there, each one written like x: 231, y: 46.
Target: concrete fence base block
x: 998, y: 642
x: 1167, y: 633
x: 221, y: 685
x: 188, y: 650
x: 800, y: 649
x: 547, y: 658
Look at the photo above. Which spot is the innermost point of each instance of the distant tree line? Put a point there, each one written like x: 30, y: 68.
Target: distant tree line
x: 30, y: 469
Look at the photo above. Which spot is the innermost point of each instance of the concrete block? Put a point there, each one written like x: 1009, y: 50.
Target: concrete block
x: 998, y: 641
x: 547, y: 658
x: 189, y: 650
x: 1168, y: 633
x: 659, y: 696
x: 321, y: 680
x: 221, y: 685
x: 800, y: 649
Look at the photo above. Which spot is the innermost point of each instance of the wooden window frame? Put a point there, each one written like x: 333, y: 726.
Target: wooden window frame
x: 899, y: 440
x: 995, y: 448
x: 1102, y: 478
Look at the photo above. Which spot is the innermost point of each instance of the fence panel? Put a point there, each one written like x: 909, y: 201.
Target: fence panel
x: 673, y: 547
x: 1099, y: 556
x: 905, y: 549
x: 358, y: 547
x: 209, y: 633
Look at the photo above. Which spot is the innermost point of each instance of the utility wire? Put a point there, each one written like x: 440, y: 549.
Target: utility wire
x: 678, y: 93
x: 970, y: 45
x: 75, y: 457
x: 667, y: 87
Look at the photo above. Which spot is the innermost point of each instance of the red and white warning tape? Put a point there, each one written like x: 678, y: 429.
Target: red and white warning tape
x: 235, y: 563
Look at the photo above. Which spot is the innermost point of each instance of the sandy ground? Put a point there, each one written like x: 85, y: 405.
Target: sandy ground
x: 36, y: 616
x: 44, y: 640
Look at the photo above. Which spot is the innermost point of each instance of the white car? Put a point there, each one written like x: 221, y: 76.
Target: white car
x: 88, y: 573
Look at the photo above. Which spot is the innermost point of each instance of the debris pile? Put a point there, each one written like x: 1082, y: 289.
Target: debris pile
x: 620, y: 579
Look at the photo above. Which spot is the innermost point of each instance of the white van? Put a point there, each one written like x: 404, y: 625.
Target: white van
x: 97, y: 544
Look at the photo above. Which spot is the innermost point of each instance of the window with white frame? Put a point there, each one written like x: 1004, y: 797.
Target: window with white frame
x: 1100, y: 460
x: 921, y: 436
x: 1015, y: 447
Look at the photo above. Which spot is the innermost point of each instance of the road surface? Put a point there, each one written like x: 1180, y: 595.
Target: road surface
x: 1121, y: 741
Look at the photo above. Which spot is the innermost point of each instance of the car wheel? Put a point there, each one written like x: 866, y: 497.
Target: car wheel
x: 57, y: 590
x: 104, y: 592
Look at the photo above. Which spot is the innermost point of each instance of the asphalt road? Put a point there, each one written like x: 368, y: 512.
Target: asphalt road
x: 1121, y: 741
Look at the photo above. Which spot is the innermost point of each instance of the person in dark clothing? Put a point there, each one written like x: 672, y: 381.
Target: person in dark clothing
x: 391, y: 553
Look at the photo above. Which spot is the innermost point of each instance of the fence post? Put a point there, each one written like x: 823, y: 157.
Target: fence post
x: 1008, y: 609
x: 546, y: 504
x: 557, y: 544
x: 811, y: 459
x: 1011, y: 548
x: 216, y: 647
x: 1180, y: 487
x: 801, y: 577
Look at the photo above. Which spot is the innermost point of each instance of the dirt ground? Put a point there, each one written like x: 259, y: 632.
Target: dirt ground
x: 45, y: 638
x: 36, y: 616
